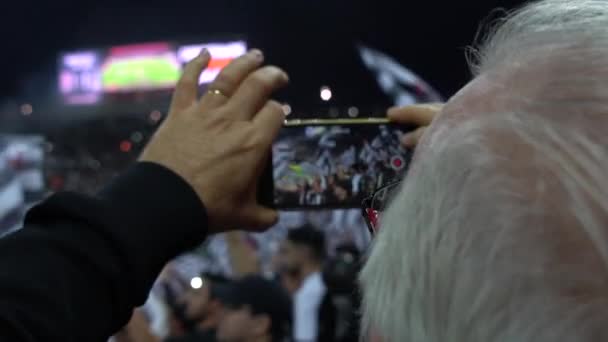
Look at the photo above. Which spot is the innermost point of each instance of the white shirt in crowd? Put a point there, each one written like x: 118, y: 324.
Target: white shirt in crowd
x: 307, y: 302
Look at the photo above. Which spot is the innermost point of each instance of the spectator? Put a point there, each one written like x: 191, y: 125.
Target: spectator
x: 259, y: 310
x: 499, y: 232
x: 339, y: 311
x: 196, y: 316
x: 304, y: 255
x: 289, y: 280
x: 205, y: 307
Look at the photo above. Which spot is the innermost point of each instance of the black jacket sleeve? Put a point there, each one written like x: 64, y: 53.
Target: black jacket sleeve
x: 81, y: 264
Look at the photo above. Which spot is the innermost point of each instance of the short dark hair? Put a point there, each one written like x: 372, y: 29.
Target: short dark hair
x: 215, y: 277
x: 310, y: 237
x: 265, y: 297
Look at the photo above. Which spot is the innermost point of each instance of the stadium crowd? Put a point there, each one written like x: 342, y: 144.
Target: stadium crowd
x: 311, y: 295
x: 336, y: 166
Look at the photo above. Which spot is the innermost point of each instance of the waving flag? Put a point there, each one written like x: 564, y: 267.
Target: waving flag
x: 397, y: 81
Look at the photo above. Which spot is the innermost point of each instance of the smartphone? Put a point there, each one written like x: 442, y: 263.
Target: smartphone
x: 333, y: 163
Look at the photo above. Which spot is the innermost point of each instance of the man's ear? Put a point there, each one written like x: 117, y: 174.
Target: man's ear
x: 262, y: 324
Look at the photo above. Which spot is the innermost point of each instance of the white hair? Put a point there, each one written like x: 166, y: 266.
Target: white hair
x: 500, y: 231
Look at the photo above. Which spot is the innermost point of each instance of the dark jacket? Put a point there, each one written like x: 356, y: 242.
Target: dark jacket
x: 81, y: 264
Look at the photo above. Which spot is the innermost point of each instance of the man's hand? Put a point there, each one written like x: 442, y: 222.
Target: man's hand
x: 219, y: 143
x: 420, y: 115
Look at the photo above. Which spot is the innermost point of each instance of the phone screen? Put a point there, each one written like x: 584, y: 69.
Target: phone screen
x: 336, y: 165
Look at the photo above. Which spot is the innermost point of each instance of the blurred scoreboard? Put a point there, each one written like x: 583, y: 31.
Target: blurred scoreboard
x: 90, y: 77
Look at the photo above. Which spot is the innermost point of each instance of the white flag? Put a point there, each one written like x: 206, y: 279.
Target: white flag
x: 397, y: 81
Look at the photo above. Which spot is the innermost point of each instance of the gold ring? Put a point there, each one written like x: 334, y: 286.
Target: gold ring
x: 216, y: 92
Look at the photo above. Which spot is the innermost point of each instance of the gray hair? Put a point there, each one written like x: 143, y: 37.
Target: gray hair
x: 500, y: 231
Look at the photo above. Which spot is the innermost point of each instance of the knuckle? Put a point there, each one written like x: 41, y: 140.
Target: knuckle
x: 245, y: 62
x: 248, y: 143
x: 252, y: 139
x: 194, y: 64
x: 192, y: 67
x: 260, y: 80
x: 243, y: 59
x: 265, y: 80
x: 251, y: 133
x: 186, y: 81
x: 225, y: 80
x: 217, y: 120
x: 274, y: 107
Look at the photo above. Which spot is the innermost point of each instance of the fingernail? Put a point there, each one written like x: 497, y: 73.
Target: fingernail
x: 257, y: 54
x: 204, y: 53
x: 273, y: 71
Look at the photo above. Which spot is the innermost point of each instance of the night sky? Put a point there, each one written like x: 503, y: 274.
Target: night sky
x: 314, y: 40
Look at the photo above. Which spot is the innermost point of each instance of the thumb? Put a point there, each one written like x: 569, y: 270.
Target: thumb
x: 412, y: 138
x: 260, y: 218
x: 419, y: 114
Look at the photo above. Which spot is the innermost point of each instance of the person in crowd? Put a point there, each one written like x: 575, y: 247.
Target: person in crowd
x: 202, y: 310
x: 357, y: 182
x: 289, y: 280
x: 304, y: 253
x: 205, y: 307
x: 258, y: 310
x: 81, y: 264
x: 339, y: 311
x: 500, y: 230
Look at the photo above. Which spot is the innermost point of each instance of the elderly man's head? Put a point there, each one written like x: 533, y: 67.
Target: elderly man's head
x: 500, y: 232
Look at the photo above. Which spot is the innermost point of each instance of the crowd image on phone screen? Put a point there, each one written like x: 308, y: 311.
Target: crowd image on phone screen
x: 335, y: 165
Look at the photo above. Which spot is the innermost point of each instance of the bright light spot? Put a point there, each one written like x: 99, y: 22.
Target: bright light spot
x: 286, y: 109
x: 353, y: 112
x: 325, y: 93
x: 196, y: 282
x: 155, y: 116
x: 125, y: 146
x: 137, y: 137
x: 27, y: 109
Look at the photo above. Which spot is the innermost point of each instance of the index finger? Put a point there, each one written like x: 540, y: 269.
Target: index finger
x: 420, y: 115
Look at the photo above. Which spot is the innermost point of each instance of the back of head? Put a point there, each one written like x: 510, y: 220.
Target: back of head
x: 340, y: 272
x: 311, y: 238
x: 264, y: 297
x: 500, y: 231
x: 214, y: 278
